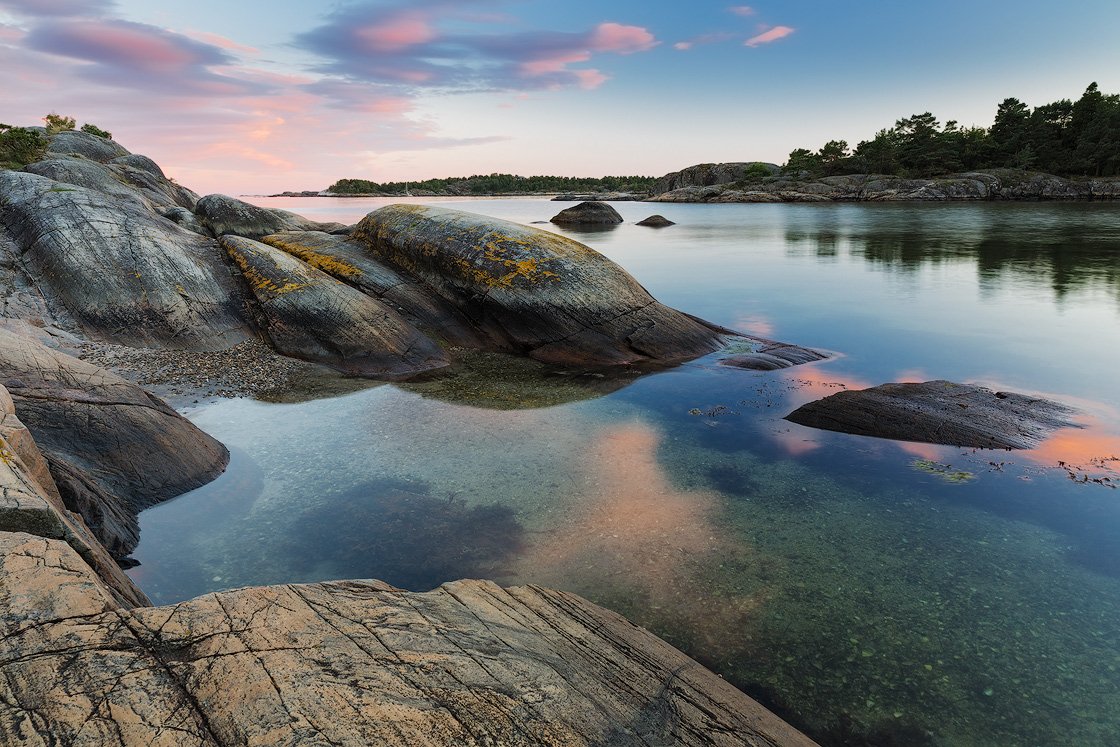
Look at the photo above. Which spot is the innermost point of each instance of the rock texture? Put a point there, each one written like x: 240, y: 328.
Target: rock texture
x: 939, y: 412
x: 995, y: 184
x: 656, y: 221
x: 309, y: 314
x: 113, y: 449
x: 222, y: 215
x: 344, y: 663
x: 122, y: 272
x: 707, y: 174
x: 759, y: 354
x: 597, y: 213
x: 547, y: 296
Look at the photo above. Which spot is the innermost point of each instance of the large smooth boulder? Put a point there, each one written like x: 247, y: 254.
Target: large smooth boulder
x: 350, y: 261
x: 112, y: 448
x: 351, y: 663
x: 939, y: 412
x: 123, y: 273
x: 227, y: 215
x: 309, y: 314
x: 544, y: 295
x: 587, y: 213
x: 77, y: 143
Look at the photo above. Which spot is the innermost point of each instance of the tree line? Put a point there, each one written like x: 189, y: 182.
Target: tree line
x: 1069, y: 138
x: 490, y: 184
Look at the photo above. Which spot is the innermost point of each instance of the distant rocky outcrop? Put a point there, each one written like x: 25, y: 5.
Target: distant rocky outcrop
x: 585, y: 213
x: 344, y: 663
x: 939, y: 412
x: 994, y: 184
x: 597, y: 197
x: 707, y: 174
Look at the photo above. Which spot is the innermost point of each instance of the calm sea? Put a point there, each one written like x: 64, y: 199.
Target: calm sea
x: 870, y: 591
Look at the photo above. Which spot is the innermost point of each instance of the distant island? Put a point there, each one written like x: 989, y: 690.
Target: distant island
x: 1056, y: 149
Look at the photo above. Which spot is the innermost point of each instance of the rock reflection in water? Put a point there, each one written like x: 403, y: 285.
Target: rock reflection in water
x: 399, y: 534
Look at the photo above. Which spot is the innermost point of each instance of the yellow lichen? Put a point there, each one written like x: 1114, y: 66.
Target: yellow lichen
x: 325, y: 262
x: 258, y: 281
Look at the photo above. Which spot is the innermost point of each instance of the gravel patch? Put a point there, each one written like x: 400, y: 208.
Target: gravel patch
x: 182, y: 377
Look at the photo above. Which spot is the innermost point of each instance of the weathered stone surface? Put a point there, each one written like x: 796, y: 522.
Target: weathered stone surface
x: 119, y: 178
x: 769, y: 355
x: 345, y: 663
x: 30, y: 502
x: 77, y: 143
x: 707, y: 174
x: 597, y: 197
x: 992, y: 184
x: 123, y: 273
x: 545, y: 295
x: 309, y: 314
x: 222, y: 215
x: 352, y: 262
x: 656, y: 221
x: 939, y: 412
x: 586, y: 213
x: 113, y: 449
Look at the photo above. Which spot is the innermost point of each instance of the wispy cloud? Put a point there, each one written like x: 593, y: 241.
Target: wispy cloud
x: 703, y: 39
x: 768, y: 36
x: 57, y: 8
x: 741, y: 10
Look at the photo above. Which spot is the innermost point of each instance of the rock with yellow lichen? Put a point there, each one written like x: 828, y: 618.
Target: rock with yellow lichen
x: 309, y: 314
x: 533, y: 291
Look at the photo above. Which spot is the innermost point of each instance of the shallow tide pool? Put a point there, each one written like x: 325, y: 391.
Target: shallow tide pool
x: 870, y: 591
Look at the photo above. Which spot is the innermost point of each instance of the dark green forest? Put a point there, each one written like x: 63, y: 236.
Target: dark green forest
x: 497, y: 184
x: 1067, y: 138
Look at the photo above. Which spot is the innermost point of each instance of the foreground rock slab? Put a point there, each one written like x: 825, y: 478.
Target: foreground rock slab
x: 344, y: 663
x: 939, y: 412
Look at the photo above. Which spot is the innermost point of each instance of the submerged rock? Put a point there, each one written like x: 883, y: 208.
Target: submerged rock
x: 346, y: 663
x: 768, y: 355
x: 533, y: 291
x: 939, y: 412
x: 656, y: 221
x: 309, y: 314
x: 587, y: 212
x: 112, y: 448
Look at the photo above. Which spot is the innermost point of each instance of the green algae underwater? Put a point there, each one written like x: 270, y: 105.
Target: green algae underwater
x: 866, y: 590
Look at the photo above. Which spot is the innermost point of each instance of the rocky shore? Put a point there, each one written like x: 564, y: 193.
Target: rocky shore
x: 102, y: 256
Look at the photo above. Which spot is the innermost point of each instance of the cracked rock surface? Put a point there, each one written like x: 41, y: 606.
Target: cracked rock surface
x: 344, y: 663
x: 939, y: 412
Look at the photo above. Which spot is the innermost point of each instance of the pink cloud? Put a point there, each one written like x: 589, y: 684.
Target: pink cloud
x: 703, y: 39
x: 683, y: 45
x: 398, y: 33
x: 555, y: 63
x: 589, y: 79
x: 10, y: 34
x: 741, y: 10
x: 771, y: 35
x: 221, y: 42
x: 128, y: 45
x: 614, y: 37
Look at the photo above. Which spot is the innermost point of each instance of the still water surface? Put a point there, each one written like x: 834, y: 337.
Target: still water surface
x: 873, y: 592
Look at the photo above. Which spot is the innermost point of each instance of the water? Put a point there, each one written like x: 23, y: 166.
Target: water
x: 873, y: 592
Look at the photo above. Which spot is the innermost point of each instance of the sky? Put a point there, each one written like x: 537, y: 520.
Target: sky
x: 261, y: 96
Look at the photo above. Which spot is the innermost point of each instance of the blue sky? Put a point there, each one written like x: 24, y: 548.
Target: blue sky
x: 259, y: 96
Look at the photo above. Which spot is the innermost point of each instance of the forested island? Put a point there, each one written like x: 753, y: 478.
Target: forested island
x: 1064, y: 138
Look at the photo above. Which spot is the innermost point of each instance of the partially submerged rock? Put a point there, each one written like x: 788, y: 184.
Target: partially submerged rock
x: 113, y: 449
x: 309, y: 314
x: 758, y: 354
x: 939, y: 412
x: 656, y: 221
x: 533, y: 291
x: 587, y: 213
x: 222, y: 215
x: 344, y: 663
